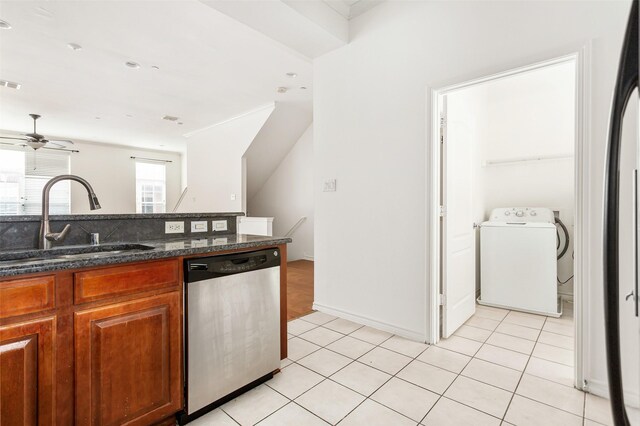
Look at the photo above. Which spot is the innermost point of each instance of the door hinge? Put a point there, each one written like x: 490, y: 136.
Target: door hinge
x: 442, y: 211
x: 441, y: 299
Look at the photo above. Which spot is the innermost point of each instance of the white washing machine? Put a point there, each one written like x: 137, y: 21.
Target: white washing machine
x: 518, y: 260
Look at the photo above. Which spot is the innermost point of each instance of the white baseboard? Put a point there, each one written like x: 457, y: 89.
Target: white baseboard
x: 403, y: 332
x: 600, y: 388
x: 307, y: 257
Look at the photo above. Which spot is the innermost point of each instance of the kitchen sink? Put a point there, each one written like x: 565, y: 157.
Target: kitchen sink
x: 71, y: 253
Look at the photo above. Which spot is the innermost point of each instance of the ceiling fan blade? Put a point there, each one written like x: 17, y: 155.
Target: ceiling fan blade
x: 12, y: 144
x: 18, y: 139
x: 61, y: 141
x: 60, y: 149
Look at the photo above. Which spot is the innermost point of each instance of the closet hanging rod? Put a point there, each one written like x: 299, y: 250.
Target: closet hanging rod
x: 525, y: 159
x: 151, y: 159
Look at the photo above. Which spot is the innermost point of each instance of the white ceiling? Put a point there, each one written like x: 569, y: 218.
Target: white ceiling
x: 211, y: 68
x: 350, y: 9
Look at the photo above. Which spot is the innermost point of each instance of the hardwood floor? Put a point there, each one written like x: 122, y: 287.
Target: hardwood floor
x: 299, y: 288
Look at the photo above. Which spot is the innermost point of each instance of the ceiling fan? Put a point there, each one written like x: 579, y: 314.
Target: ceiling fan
x: 36, y: 140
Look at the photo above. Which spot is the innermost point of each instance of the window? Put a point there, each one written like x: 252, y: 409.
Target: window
x: 150, y: 187
x: 23, y: 174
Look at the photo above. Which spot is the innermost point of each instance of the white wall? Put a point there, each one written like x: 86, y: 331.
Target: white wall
x: 524, y: 116
x: 371, y: 130
x: 288, y: 195
x: 112, y: 174
x: 215, y: 167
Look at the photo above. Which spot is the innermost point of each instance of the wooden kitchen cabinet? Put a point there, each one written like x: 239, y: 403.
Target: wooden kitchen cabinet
x: 27, y: 373
x: 128, y: 362
x: 96, y: 346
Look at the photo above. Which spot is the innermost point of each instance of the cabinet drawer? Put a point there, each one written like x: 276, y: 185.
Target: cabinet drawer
x: 27, y: 295
x: 98, y: 284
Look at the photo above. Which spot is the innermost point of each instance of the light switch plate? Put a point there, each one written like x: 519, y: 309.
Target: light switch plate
x: 174, y: 227
x: 199, y: 226
x: 218, y: 225
x: 329, y: 185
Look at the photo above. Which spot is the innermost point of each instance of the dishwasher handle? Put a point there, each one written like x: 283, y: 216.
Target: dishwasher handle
x: 220, y: 266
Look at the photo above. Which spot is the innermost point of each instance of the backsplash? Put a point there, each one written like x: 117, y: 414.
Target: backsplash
x: 21, y: 232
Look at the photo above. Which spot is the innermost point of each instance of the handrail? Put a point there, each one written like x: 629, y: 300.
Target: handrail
x: 295, y: 227
x: 184, y: 192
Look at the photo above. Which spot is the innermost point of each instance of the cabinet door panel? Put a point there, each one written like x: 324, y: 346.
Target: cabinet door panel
x: 27, y: 373
x: 27, y: 295
x: 128, y: 362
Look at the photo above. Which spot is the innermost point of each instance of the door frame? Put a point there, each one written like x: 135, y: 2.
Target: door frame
x: 582, y: 220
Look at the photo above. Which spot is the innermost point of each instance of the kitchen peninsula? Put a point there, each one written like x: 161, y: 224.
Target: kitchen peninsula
x: 93, y: 334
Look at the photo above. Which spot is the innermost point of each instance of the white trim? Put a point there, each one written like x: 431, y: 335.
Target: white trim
x: 308, y: 257
x: 384, y: 326
x: 582, y: 249
x: 235, y: 117
x: 582, y: 60
x: 600, y: 388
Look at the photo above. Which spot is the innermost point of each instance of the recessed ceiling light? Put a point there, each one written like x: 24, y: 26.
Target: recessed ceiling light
x: 132, y: 64
x: 180, y: 123
x: 129, y: 115
x: 292, y: 74
x: 303, y: 87
x: 282, y: 89
x: 4, y: 25
x: 155, y: 67
x: 97, y: 118
x: 170, y: 118
x: 10, y: 84
x: 74, y: 46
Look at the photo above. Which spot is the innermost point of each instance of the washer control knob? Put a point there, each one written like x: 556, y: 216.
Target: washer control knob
x: 519, y: 213
x: 507, y: 213
x: 533, y: 213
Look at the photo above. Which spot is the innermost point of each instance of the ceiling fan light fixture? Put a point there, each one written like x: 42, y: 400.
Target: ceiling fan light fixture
x: 282, y: 89
x: 4, y: 25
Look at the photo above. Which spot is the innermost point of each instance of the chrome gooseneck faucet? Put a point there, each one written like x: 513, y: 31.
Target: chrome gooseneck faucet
x: 46, y: 236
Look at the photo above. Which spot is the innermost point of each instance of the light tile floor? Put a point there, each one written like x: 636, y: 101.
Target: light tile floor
x: 500, y: 368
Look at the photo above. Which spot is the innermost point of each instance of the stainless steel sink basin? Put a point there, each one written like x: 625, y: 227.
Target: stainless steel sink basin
x: 70, y: 253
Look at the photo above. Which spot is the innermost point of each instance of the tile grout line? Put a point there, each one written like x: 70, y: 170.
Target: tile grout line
x: 412, y: 359
x: 459, y: 374
x: 522, y: 375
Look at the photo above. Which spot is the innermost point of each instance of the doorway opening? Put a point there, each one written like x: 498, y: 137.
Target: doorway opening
x: 507, y: 212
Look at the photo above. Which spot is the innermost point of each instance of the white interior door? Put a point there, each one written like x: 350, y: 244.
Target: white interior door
x: 458, y: 234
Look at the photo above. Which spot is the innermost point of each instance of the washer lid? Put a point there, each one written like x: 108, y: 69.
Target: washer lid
x: 517, y: 225
x: 522, y: 214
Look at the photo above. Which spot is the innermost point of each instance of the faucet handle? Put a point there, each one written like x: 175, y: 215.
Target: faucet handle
x: 59, y: 236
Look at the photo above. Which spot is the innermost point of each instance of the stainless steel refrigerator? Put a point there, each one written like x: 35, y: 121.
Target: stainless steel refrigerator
x: 626, y: 84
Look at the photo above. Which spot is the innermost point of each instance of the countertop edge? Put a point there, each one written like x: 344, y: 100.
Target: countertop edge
x: 121, y: 258
x: 126, y: 216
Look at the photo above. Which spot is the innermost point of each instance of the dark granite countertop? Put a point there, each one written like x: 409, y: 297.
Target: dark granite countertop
x: 54, y: 217
x: 161, y: 249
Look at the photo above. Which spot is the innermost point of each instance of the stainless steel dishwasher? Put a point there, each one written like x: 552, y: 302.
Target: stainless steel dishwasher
x: 232, y: 330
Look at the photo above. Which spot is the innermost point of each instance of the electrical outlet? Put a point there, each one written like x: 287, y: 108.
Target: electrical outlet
x: 219, y: 225
x: 174, y: 227
x: 233, y: 197
x: 199, y: 226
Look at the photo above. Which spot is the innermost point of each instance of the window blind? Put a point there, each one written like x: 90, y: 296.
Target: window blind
x: 32, y: 169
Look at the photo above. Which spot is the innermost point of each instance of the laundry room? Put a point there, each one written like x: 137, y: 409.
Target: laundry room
x: 508, y: 164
